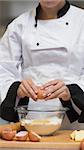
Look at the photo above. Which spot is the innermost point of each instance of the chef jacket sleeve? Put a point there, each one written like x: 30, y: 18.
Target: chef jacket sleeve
x: 76, y: 88
x: 10, y: 60
x: 77, y: 96
x: 7, y: 110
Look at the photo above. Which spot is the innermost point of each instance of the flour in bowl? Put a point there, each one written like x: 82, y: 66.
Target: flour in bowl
x: 45, y: 126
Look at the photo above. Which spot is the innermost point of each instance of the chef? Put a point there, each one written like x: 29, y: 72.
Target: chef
x: 44, y: 47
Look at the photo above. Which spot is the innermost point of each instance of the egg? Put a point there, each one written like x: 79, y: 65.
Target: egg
x: 40, y: 94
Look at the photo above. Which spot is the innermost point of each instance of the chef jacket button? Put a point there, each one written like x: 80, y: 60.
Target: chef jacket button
x: 67, y: 23
x: 37, y: 44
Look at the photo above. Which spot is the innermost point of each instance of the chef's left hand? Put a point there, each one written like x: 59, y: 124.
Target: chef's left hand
x: 56, y: 89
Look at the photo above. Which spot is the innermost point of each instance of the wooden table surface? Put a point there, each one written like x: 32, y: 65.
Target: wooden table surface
x: 60, y: 141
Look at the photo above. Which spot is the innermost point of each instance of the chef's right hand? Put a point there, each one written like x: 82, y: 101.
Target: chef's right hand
x: 27, y: 88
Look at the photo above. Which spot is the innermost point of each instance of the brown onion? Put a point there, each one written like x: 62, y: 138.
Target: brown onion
x: 34, y: 137
x: 82, y: 145
x: 8, y: 134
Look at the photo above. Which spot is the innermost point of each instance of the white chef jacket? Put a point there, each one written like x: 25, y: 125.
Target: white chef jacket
x: 53, y: 50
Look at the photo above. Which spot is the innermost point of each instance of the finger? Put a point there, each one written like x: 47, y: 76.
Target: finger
x: 65, y: 96
x: 32, y: 93
x: 29, y: 90
x: 53, y: 82
x: 25, y: 91
x: 49, y: 91
x: 21, y: 93
x: 54, y: 88
x: 55, y: 94
x: 33, y: 86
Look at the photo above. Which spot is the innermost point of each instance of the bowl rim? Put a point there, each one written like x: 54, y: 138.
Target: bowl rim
x: 40, y: 109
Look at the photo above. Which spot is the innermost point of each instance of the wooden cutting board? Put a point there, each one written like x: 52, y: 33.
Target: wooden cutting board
x: 59, y: 141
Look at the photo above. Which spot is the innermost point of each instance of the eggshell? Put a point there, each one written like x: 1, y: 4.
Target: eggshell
x: 21, y: 136
x: 40, y: 94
